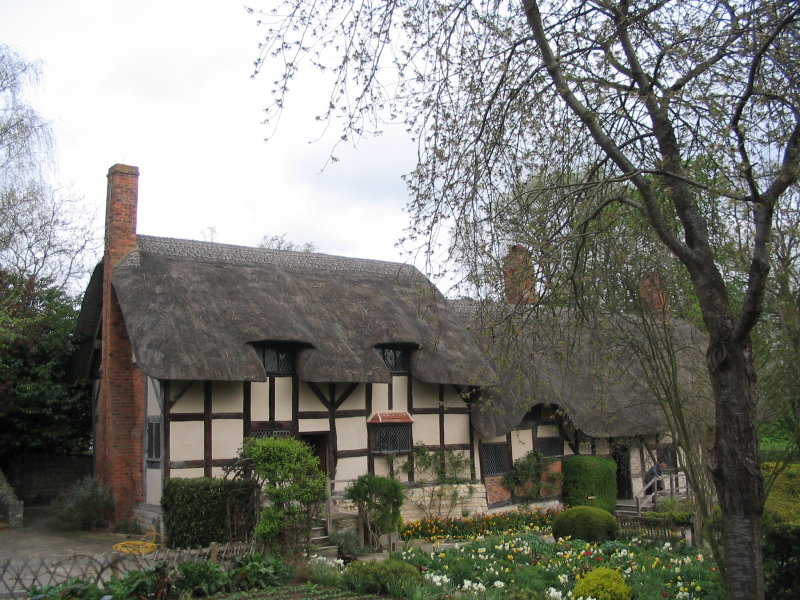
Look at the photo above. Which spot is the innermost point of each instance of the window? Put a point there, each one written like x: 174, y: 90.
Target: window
x: 396, y: 359
x: 389, y: 438
x: 495, y: 459
x: 271, y: 433
x: 153, y: 442
x: 550, y: 446
x: 277, y: 359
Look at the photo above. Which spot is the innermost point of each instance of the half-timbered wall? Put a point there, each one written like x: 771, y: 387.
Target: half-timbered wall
x: 203, y: 423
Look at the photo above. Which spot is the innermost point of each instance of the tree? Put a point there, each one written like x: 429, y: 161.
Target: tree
x: 678, y: 110
x: 279, y: 242
x: 39, y: 409
x: 43, y: 231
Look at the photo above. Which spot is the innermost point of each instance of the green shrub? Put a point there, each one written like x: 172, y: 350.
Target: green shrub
x: 294, y: 486
x: 590, y: 481
x: 602, y: 584
x: 72, y: 589
x: 524, y: 480
x: 256, y: 571
x: 379, y: 500
x: 782, y: 561
x: 204, y: 510
x: 373, y: 577
x: 154, y: 582
x: 88, y: 504
x: 198, y: 580
x: 586, y: 523
x: 783, y: 501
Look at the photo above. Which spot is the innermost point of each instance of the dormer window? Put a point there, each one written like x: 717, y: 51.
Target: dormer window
x: 395, y: 358
x: 277, y: 359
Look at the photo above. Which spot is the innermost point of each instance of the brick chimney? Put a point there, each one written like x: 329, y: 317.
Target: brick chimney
x: 518, y: 276
x: 654, y: 298
x: 120, y: 405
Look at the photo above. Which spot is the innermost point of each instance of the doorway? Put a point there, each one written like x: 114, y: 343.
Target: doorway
x: 621, y: 454
x: 319, y: 444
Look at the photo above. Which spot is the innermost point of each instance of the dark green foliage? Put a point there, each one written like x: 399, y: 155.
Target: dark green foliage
x: 373, y: 577
x: 155, y: 582
x: 72, y: 589
x: 586, y: 523
x: 782, y: 561
x: 256, y: 571
x: 199, y: 580
x: 524, y: 480
x: 379, y: 500
x: 602, y: 584
x: 39, y: 410
x: 203, y: 510
x: 590, y: 481
x: 294, y: 486
x: 348, y: 543
x: 673, y: 517
x: 88, y: 504
x: 783, y: 501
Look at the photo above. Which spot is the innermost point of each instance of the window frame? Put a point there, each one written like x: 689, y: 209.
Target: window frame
x: 392, y: 355
x: 491, y: 447
x: 379, y: 429
x: 153, y: 442
x: 288, y: 351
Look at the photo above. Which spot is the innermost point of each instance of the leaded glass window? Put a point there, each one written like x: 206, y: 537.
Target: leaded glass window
x: 550, y: 446
x: 396, y: 359
x: 271, y: 433
x: 153, y: 441
x: 391, y: 437
x: 495, y: 459
x: 276, y: 359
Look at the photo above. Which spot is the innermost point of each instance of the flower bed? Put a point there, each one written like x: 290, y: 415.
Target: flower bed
x: 479, y: 525
x: 653, y: 572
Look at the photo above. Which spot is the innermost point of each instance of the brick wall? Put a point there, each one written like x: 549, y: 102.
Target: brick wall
x: 120, y: 407
x: 496, y: 493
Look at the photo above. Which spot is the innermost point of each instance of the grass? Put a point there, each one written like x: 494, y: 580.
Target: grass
x: 305, y: 591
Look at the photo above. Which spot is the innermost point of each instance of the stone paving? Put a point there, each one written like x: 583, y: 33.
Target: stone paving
x: 39, y: 537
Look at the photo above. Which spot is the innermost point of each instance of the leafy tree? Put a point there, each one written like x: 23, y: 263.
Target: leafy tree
x: 293, y: 485
x: 44, y: 232
x: 279, y: 242
x: 39, y: 410
x: 677, y: 110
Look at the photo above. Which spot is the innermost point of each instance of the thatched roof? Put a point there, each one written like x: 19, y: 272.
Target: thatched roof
x: 193, y: 311
x: 593, y: 372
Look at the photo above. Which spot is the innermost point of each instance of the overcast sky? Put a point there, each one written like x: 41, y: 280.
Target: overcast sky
x: 166, y: 85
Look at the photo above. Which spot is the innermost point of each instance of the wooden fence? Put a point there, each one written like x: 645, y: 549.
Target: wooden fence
x: 19, y: 575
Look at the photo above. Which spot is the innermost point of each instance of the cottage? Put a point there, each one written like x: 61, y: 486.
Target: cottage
x: 195, y: 346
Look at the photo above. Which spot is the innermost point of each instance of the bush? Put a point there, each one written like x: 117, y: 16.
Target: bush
x: 293, y: 485
x: 524, y: 480
x: 783, y: 501
x: 88, y: 504
x: 373, y: 577
x: 586, y: 523
x: 590, y: 481
x: 72, y: 589
x: 154, y: 582
x: 204, y: 510
x: 602, y: 584
x: 256, y: 571
x: 198, y: 580
x: 782, y: 561
x: 379, y: 500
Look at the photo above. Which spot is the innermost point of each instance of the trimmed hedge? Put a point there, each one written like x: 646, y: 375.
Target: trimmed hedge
x: 590, y: 481
x: 587, y: 523
x: 782, y: 561
x: 204, y: 510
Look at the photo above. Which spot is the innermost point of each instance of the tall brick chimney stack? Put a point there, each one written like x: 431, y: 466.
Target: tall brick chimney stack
x: 654, y: 298
x: 120, y: 406
x: 518, y: 276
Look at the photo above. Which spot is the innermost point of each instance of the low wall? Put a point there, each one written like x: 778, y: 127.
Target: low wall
x: 38, y: 478
x: 11, y: 507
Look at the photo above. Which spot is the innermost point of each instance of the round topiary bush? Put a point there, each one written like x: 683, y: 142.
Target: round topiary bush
x: 602, y: 584
x: 585, y: 523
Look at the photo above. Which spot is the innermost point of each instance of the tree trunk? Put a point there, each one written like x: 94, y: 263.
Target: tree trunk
x: 736, y: 468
